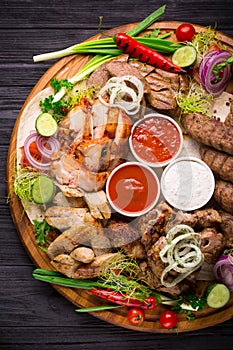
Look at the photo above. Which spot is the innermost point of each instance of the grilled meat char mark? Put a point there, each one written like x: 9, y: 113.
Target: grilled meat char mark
x: 219, y: 162
x: 209, y: 131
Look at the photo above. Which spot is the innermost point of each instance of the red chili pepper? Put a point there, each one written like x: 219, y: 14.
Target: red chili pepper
x: 145, y: 54
x: 122, y: 299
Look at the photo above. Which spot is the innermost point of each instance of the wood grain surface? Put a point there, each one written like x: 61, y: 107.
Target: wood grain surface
x: 34, y: 315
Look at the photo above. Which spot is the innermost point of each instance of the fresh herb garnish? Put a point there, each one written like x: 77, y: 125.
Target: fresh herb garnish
x: 154, y: 34
x: 204, y: 40
x: 58, y: 109
x: 63, y: 83
x: 41, y: 229
x: 194, y: 100
x: 217, y: 70
x: 193, y: 302
x: 23, y: 183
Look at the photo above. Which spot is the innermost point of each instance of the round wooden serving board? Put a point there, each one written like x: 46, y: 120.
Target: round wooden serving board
x: 66, y: 68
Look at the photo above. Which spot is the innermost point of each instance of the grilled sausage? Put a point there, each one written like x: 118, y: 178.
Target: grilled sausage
x: 220, y: 163
x: 223, y: 195
x: 209, y: 131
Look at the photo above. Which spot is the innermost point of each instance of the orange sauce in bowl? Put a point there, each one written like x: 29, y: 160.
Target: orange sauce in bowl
x: 132, y: 188
x: 156, y: 139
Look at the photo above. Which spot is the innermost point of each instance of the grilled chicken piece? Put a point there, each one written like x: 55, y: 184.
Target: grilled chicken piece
x: 226, y: 227
x: 219, y: 162
x: 78, y: 235
x: 209, y: 131
x: 98, y: 204
x: 65, y: 264
x: 83, y: 254
x: 95, y: 267
x: 223, y: 195
x: 212, y: 244
x: 93, y: 155
x: 63, y: 218
x: 76, y: 193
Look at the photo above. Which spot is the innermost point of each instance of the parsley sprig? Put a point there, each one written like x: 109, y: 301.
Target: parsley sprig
x: 41, y: 229
x: 195, y: 302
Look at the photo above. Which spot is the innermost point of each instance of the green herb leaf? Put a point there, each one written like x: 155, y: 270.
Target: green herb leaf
x: 58, y: 109
x: 41, y: 229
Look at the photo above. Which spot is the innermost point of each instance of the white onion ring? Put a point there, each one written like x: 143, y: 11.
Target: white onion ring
x: 181, y: 253
x: 116, y: 86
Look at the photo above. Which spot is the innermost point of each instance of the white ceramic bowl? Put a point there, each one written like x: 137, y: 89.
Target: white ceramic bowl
x: 145, y: 154
x: 187, y: 183
x: 132, y: 189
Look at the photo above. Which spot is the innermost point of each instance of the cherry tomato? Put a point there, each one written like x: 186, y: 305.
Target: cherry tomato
x: 136, y: 316
x: 185, y: 32
x: 168, y: 319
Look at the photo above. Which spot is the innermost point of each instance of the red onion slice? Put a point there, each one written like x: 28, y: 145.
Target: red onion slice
x: 42, y: 165
x: 223, y: 271
x: 206, y: 75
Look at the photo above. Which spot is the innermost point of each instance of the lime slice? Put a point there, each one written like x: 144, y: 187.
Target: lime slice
x: 185, y: 56
x: 218, y: 295
x: 46, y: 125
x: 43, y: 190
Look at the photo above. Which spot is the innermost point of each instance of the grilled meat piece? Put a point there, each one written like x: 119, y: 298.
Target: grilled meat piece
x: 220, y: 163
x: 119, y: 69
x: 200, y: 218
x: 223, y: 195
x: 83, y: 254
x: 65, y: 264
x: 211, y: 132
x: 78, y: 235
x: 63, y: 218
x: 212, y: 244
x: 69, y: 202
x: 226, y: 227
x: 95, y: 267
x: 153, y: 224
x: 164, y: 88
x: 98, y: 204
x: 144, y: 69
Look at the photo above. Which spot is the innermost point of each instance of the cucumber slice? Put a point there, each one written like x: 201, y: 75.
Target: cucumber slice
x: 43, y: 190
x: 46, y: 125
x: 218, y: 295
x: 185, y: 56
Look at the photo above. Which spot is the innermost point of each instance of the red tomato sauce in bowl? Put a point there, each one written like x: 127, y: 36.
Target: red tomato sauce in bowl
x: 156, y: 140
x: 132, y: 189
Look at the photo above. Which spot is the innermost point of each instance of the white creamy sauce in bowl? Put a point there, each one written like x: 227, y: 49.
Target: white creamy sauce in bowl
x: 187, y: 183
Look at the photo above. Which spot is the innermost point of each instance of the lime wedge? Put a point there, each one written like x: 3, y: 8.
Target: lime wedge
x: 218, y: 295
x: 185, y: 56
x: 46, y: 125
x: 43, y: 190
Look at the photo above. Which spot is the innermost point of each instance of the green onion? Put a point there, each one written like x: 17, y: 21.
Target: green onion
x: 95, y: 47
x: 98, y: 308
x: 147, y: 21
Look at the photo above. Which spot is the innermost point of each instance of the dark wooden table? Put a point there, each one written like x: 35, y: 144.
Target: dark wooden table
x: 32, y: 314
